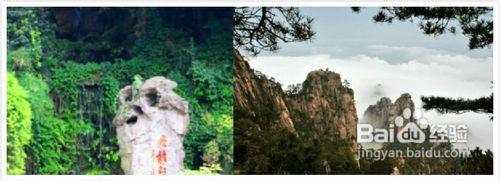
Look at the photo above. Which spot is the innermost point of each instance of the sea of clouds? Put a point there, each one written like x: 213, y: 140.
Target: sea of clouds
x: 419, y: 71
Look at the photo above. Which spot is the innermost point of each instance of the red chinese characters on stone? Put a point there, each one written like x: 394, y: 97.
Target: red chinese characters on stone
x: 162, y: 142
x: 160, y: 157
x: 162, y: 170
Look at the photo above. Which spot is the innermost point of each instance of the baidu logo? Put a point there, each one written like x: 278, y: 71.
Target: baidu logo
x: 407, y: 131
x: 411, y: 132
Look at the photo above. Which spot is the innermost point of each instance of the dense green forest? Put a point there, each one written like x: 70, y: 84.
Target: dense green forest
x: 66, y: 66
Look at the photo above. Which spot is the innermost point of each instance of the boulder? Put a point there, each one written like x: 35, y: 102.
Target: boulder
x: 151, y: 122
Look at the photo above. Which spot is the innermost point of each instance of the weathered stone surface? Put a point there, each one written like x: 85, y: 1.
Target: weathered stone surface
x: 384, y: 112
x: 325, y: 107
x: 259, y: 97
x: 322, y: 109
x: 151, y: 123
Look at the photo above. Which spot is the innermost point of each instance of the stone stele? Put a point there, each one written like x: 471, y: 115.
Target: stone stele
x: 151, y: 123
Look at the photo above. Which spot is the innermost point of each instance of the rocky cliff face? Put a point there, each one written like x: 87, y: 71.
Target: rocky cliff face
x: 309, y: 131
x: 324, y: 108
x: 258, y: 99
x: 384, y: 112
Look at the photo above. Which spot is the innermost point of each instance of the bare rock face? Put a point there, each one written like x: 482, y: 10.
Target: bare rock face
x: 151, y: 123
x: 259, y: 98
x: 325, y: 107
x: 384, y: 112
x: 321, y: 111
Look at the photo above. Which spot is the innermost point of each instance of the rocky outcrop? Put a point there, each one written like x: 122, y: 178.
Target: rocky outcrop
x: 151, y: 123
x: 309, y: 129
x: 384, y: 112
x: 259, y: 99
x: 324, y: 108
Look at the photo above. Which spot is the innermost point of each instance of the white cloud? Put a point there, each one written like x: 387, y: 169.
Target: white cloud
x: 428, y: 72
x: 409, y: 52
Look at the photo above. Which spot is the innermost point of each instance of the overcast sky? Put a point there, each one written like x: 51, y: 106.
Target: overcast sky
x: 388, y: 60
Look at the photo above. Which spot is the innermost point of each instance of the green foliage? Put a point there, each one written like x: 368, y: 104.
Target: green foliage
x: 75, y: 84
x: 67, y: 80
x: 157, y: 40
x: 137, y: 81
x: 20, y: 60
x: 259, y: 29
x: 29, y: 28
x: 476, y: 23
x: 220, y: 149
x: 74, y: 91
x: 97, y: 172
x: 211, y: 153
x: 281, y: 152
x: 293, y: 89
x: 224, y: 139
x: 208, y: 91
x: 55, y: 145
x: 211, y: 84
x: 125, y: 70
x: 111, y: 87
x: 206, y: 169
x: 18, y: 125
x: 54, y: 140
x: 460, y: 105
x: 41, y: 104
x: 479, y: 162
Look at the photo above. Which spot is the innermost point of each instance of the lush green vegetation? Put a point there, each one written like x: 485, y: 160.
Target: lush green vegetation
x: 19, y: 124
x: 66, y: 66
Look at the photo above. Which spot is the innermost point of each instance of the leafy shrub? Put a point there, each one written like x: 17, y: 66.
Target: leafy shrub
x: 206, y: 169
x: 42, y: 106
x: 18, y: 125
x: 20, y: 60
x: 52, y: 147
x: 53, y: 144
x: 30, y: 29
